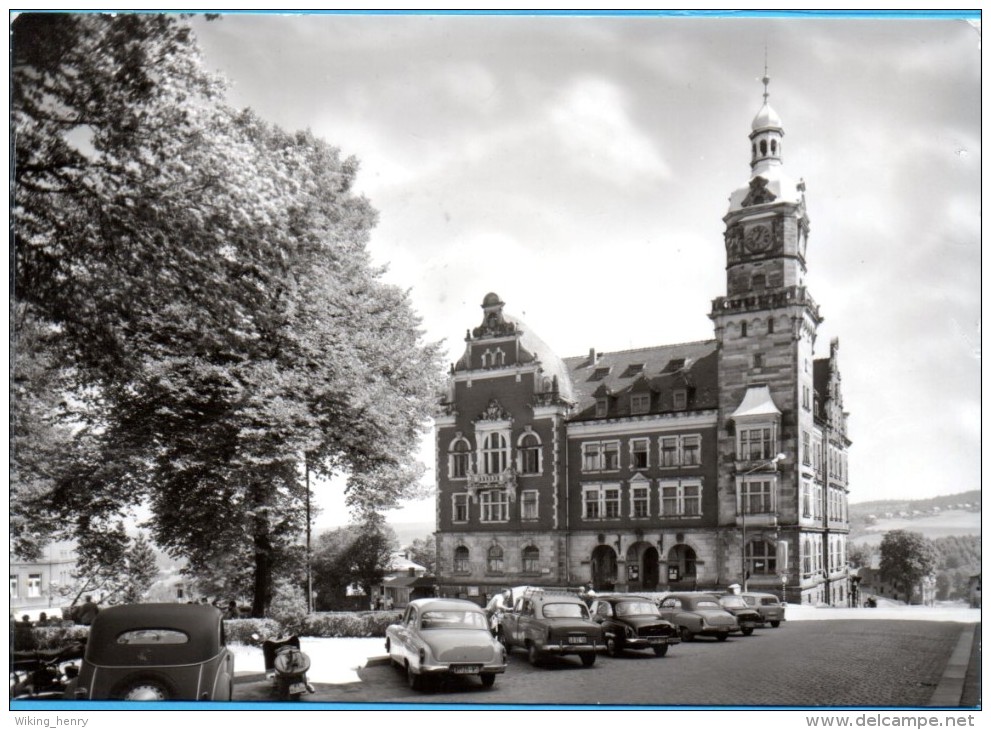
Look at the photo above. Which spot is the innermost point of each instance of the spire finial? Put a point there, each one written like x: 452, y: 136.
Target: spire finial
x: 767, y: 79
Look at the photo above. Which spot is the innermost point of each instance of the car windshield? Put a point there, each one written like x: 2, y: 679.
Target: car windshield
x: 635, y: 608
x: 707, y: 603
x: 453, y: 620
x: 769, y: 601
x: 733, y: 602
x: 565, y: 610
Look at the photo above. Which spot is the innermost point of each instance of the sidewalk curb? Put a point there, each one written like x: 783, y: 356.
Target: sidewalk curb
x: 950, y: 688
x: 377, y: 661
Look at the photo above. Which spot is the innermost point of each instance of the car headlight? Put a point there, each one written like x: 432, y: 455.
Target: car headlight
x: 630, y: 633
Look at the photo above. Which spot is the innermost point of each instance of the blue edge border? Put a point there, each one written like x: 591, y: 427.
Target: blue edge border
x: 221, y: 707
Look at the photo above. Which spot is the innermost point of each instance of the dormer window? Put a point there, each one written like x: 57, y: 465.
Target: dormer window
x: 602, y: 408
x: 599, y: 373
x: 680, y: 399
x: 640, y: 403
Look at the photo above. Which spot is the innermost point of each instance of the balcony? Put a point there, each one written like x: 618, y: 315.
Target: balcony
x: 757, y: 519
x: 503, y: 480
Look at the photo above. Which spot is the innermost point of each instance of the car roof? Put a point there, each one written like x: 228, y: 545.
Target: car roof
x: 203, y: 625
x: 444, y: 604
x: 760, y: 595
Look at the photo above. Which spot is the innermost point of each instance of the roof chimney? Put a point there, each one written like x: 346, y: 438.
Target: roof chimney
x: 591, y: 356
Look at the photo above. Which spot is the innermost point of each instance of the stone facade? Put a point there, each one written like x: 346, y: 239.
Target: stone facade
x: 689, y: 466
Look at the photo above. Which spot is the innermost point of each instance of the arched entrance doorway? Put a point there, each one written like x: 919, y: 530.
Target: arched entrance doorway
x: 603, y: 568
x: 681, y: 567
x: 642, y: 572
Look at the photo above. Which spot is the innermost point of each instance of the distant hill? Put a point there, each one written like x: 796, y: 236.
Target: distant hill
x: 971, y: 499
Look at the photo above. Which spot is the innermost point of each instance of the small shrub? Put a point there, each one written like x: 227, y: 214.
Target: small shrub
x: 57, y: 637
x: 243, y: 630
x: 350, y: 624
x: 288, y: 607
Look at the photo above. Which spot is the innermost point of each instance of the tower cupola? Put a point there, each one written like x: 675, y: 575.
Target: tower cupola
x: 766, y: 136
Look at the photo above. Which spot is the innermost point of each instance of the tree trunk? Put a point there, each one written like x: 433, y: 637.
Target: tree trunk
x: 263, y: 557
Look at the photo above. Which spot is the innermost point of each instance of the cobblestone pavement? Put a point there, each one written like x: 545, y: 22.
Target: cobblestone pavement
x: 807, y: 664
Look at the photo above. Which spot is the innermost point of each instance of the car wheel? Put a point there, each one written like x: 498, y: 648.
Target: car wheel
x: 686, y: 635
x: 611, y: 648
x: 747, y: 632
x: 487, y: 679
x: 533, y: 655
x: 588, y: 659
x: 415, y: 681
x: 661, y: 649
x: 775, y: 624
x: 146, y: 689
x: 722, y: 637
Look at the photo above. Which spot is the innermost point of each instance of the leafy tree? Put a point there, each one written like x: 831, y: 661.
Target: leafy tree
x: 860, y: 555
x: 906, y: 558
x: 122, y: 571
x: 423, y: 550
x: 201, y: 290
x: 356, y: 555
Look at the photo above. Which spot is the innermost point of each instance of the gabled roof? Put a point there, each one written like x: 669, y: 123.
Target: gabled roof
x: 666, y: 368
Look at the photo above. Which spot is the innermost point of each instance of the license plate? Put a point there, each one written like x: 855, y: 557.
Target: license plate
x: 297, y: 688
x: 465, y: 669
x: 577, y: 640
x: 748, y: 624
x: 656, y: 640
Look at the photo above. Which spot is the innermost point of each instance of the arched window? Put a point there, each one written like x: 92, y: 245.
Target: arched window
x: 529, y: 447
x: 461, y: 556
x: 770, y: 325
x: 459, y: 458
x: 531, y: 559
x: 743, y: 329
x: 763, y: 147
x: 774, y: 147
x: 493, y: 562
x: 807, y: 557
x: 761, y: 558
x: 681, y: 562
x: 754, y: 150
x: 495, y: 453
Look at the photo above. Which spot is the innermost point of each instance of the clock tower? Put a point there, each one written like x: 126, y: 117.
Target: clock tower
x: 765, y: 328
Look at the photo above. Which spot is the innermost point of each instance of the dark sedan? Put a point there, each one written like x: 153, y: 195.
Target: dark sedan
x: 633, y: 622
x: 748, y: 618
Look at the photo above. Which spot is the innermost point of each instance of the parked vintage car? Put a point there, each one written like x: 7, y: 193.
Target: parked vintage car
x: 438, y: 637
x: 698, y: 614
x: 632, y: 622
x: 156, y: 651
x: 748, y: 618
x: 767, y: 605
x: 551, y: 623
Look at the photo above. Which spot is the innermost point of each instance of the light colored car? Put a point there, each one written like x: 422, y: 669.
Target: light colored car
x: 550, y: 623
x: 156, y: 651
x: 439, y: 637
x: 748, y: 618
x: 698, y: 614
x: 767, y: 605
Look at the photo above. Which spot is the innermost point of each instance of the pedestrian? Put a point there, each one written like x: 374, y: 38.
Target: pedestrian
x: 388, y: 602
x: 42, y: 619
x: 378, y: 602
x: 232, y: 611
x: 88, y: 611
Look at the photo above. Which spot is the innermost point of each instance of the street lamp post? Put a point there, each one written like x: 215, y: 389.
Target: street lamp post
x: 743, y: 513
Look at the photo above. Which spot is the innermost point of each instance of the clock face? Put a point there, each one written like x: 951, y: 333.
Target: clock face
x: 758, y: 239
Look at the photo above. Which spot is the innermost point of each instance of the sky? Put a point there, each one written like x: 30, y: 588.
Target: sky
x: 580, y: 167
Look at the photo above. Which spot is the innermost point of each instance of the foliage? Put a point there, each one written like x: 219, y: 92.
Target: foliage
x: 345, y: 624
x: 906, y: 558
x: 860, y: 555
x: 357, y: 555
x: 959, y: 551
x: 423, y: 551
x: 196, y: 284
x: 289, y: 607
x: 243, y: 630
x: 58, y: 637
x: 119, y: 568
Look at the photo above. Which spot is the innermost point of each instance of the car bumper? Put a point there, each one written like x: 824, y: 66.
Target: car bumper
x: 563, y: 648
x: 642, y: 642
x: 750, y: 625
x: 465, y: 670
x: 719, y: 630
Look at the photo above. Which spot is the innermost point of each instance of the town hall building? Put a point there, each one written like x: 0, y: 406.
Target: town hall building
x: 677, y: 467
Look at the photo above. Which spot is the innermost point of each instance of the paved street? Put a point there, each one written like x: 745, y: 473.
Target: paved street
x: 817, y: 663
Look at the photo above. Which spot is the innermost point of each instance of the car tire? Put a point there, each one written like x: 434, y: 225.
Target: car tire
x: 747, y: 632
x: 588, y: 659
x: 686, y: 635
x: 147, y: 687
x: 487, y: 679
x: 532, y: 654
x: 660, y: 649
x: 415, y: 681
x: 722, y: 637
x: 611, y: 648
x: 775, y: 624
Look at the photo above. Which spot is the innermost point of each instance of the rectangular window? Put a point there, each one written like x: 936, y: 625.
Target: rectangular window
x: 600, y: 456
x: 34, y: 585
x: 601, y: 408
x: 756, y: 444
x: 639, y: 453
x: 806, y: 449
x: 691, y: 450
x: 528, y: 504
x: 13, y: 587
x: 460, y: 511
x: 758, y: 496
x: 600, y: 501
x: 669, y: 451
x: 495, y: 505
x: 611, y: 502
x: 681, y: 498
x: 640, y: 501
x: 680, y: 400
x: 640, y: 403
x: 806, y: 499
